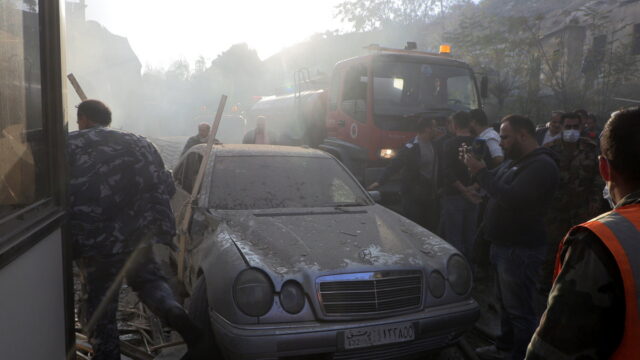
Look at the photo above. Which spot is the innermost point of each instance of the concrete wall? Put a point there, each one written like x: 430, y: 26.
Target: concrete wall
x: 32, y: 323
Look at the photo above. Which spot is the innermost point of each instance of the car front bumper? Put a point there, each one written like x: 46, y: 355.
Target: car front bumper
x: 435, y: 327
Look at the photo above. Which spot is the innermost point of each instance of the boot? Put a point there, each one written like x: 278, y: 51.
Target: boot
x: 193, y: 336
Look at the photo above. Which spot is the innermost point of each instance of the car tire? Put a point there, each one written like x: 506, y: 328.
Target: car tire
x: 199, y: 313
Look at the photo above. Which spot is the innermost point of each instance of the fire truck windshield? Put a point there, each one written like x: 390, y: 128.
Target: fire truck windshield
x: 404, y: 88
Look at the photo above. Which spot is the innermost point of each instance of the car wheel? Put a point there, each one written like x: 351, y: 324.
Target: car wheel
x: 199, y: 313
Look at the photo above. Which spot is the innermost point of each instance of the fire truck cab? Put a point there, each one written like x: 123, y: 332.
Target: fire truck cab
x: 374, y: 102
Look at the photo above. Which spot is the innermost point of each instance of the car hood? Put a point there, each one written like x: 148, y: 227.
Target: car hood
x: 327, y: 239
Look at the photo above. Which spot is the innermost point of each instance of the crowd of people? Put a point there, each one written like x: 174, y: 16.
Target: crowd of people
x: 517, y: 204
x: 506, y: 202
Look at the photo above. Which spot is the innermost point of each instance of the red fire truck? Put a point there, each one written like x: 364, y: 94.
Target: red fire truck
x: 371, y: 105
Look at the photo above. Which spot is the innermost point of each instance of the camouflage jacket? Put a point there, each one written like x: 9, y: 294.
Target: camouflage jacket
x: 579, y: 192
x: 119, y: 191
x: 586, y: 308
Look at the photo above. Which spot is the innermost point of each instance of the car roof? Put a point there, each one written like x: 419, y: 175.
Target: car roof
x: 261, y: 150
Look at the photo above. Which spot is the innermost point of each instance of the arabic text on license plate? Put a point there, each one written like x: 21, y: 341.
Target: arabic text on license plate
x: 379, y: 335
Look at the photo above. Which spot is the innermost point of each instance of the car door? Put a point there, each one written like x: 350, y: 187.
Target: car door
x: 185, y: 176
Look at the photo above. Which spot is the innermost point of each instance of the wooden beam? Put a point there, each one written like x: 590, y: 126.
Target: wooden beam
x: 183, y: 230
x: 77, y: 87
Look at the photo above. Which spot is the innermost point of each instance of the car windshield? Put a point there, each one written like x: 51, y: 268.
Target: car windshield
x: 270, y: 182
x: 402, y: 88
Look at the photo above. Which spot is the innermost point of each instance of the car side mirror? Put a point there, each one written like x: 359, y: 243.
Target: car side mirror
x: 375, y: 195
x: 484, y: 87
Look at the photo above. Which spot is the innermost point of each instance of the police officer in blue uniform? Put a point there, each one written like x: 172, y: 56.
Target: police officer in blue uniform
x: 418, y: 163
x: 119, y: 195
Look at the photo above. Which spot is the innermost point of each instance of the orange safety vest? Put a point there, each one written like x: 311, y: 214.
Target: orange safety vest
x: 619, y: 230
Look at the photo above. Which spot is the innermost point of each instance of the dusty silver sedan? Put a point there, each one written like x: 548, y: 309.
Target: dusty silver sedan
x: 289, y: 256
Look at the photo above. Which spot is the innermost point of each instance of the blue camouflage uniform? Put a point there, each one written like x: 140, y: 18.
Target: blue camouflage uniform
x: 119, y: 205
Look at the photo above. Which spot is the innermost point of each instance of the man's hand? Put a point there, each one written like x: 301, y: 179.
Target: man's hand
x: 474, y: 165
x: 373, y: 186
x: 472, y: 196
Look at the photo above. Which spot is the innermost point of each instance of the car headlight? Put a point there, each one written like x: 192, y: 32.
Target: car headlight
x: 387, y: 153
x: 292, y: 297
x: 436, y: 284
x: 459, y: 274
x: 253, y: 292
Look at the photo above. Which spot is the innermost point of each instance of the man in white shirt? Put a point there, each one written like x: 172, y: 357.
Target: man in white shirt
x: 487, y: 135
x: 553, y: 131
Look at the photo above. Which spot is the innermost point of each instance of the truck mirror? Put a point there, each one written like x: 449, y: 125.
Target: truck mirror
x: 484, y: 87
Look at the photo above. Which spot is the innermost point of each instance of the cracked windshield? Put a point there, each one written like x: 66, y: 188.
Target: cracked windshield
x: 319, y: 179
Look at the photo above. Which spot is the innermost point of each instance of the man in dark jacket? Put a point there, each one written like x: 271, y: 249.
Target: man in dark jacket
x: 520, y: 196
x: 419, y: 163
x: 201, y: 138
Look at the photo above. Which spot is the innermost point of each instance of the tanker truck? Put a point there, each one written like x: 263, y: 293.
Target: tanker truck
x: 370, y: 106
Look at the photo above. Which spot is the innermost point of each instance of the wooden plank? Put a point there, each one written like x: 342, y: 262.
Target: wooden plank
x: 184, y: 226
x: 77, y: 87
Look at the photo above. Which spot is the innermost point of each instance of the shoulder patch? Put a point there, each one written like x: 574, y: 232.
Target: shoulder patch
x: 408, y: 145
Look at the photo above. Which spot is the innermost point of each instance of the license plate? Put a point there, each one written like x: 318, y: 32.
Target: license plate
x: 378, y: 335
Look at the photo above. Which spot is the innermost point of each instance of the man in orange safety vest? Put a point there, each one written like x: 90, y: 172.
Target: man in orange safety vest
x: 593, y: 308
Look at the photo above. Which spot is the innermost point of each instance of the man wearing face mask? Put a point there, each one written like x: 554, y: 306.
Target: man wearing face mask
x: 592, y: 312
x: 579, y: 195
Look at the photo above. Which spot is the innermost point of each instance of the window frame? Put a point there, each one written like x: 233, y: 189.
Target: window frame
x: 635, y: 38
x: 22, y: 229
x: 53, y: 129
x: 348, y: 88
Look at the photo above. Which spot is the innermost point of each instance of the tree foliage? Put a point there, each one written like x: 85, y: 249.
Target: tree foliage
x: 365, y: 15
x: 177, y: 98
x: 501, y: 47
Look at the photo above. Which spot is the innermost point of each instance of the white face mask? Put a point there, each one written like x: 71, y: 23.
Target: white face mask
x: 570, y: 135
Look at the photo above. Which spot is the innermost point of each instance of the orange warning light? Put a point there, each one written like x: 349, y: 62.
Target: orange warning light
x: 445, y: 49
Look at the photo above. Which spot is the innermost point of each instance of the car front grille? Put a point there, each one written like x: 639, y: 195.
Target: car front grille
x: 370, y: 293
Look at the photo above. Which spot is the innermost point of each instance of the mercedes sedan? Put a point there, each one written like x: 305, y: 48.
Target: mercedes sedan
x: 288, y: 256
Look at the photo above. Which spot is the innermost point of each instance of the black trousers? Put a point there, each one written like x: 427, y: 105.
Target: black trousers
x: 102, y: 279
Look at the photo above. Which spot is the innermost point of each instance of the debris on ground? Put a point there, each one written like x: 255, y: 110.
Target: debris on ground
x: 143, y: 336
